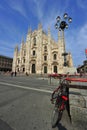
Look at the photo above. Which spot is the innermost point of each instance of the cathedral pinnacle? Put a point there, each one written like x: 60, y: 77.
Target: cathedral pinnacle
x: 48, y: 30
x: 29, y: 30
x: 16, y: 48
x: 40, y: 26
x: 23, y: 40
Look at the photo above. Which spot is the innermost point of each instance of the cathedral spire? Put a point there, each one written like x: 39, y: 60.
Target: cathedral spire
x: 49, y: 31
x: 49, y: 36
x: 29, y: 30
x: 16, y: 48
x: 22, y: 40
x: 39, y: 26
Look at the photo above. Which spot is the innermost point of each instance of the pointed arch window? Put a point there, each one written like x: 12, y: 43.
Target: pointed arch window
x: 33, y: 52
x: 23, y: 60
x: 54, y: 56
x: 34, y: 41
x: 45, y: 48
x: 24, y: 53
x: 45, y: 58
x: 18, y: 60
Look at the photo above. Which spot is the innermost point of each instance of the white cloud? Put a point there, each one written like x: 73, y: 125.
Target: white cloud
x: 47, y: 15
x: 37, y: 8
x: 18, y: 6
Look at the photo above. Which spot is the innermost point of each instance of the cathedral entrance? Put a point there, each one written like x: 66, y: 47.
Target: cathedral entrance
x: 55, y: 69
x: 33, y: 68
x: 45, y: 69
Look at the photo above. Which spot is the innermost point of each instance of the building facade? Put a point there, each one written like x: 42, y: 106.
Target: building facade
x: 40, y: 54
x: 82, y: 68
x: 5, y: 63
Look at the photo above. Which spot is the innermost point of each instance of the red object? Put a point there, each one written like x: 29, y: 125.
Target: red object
x: 86, y: 51
x: 65, y: 98
x: 77, y: 79
x: 53, y: 75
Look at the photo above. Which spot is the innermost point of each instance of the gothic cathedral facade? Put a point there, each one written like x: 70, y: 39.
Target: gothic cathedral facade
x: 40, y: 54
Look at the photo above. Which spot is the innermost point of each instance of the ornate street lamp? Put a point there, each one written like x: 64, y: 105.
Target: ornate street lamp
x: 61, y: 25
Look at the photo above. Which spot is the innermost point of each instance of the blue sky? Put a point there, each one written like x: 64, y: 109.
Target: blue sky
x: 16, y: 16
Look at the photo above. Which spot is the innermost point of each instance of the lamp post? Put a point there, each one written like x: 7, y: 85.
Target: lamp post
x: 61, y: 25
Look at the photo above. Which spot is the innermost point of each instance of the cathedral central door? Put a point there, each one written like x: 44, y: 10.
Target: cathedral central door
x: 45, y: 69
x: 55, y: 69
x: 33, y: 68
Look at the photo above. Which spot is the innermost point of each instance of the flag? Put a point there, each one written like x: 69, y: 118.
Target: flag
x: 86, y: 51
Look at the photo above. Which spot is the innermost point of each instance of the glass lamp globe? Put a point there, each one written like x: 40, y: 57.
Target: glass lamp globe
x: 58, y: 18
x: 65, y: 16
x: 56, y: 25
x: 70, y: 20
x: 66, y: 26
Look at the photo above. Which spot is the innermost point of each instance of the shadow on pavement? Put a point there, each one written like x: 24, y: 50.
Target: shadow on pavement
x: 61, y: 127
x: 4, y: 125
